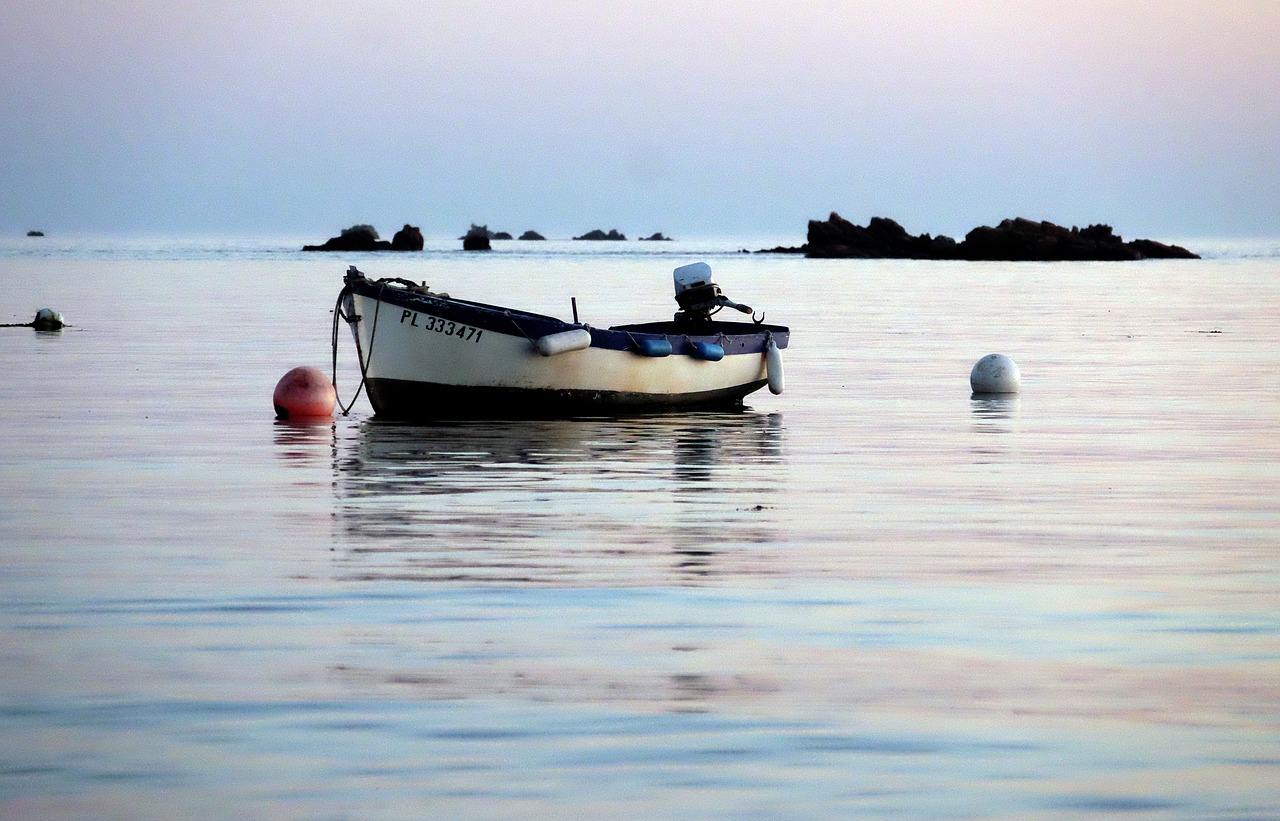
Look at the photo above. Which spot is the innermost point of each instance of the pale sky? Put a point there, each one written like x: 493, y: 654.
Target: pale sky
x: 734, y: 119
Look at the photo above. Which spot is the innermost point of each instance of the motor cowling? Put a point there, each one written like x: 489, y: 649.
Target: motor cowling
x: 699, y: 297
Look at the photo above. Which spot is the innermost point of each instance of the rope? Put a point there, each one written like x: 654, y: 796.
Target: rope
x: 508, y: 315
x: 364, y: 360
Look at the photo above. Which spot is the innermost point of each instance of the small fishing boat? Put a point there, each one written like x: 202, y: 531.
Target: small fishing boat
x: 427, y: 355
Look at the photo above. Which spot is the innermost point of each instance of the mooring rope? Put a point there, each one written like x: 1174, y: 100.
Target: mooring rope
x: 367, y: 357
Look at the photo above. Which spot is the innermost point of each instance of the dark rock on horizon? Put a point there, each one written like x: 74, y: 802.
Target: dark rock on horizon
x: 1151, y: 249
x: 1013, y: 239
x: 597, y: 234
x: 408, y: 238
x: 882, y: 238
x: 1026, y: 240
x: 477, y: 232
x: 658, y: 237
x: 532, y: 235
x: 476, y: 238
x: 35, y: 233
x: 483, y: 231
x: 355, y: 238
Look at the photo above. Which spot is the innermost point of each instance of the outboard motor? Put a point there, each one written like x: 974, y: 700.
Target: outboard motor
x: 698, y: 297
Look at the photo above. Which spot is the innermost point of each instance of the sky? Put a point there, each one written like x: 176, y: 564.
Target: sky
x: 711, y: 119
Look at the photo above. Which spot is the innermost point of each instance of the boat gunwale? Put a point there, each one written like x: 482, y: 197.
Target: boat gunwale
x: 735, y: 337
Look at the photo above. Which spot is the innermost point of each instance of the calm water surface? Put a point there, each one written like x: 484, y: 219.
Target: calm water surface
x: 873, y: 596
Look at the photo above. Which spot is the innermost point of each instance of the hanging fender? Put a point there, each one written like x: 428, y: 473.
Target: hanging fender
x: 563, y: 342
x: 773, y: 365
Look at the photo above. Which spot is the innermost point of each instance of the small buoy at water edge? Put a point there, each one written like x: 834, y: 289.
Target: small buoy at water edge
x: 773, y: 366
x: 47, y: 319
x: 304, y: 393
x: 995, y: 373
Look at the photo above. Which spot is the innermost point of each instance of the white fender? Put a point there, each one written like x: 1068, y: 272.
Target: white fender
x: 773, y: 366
x: 563, y: 342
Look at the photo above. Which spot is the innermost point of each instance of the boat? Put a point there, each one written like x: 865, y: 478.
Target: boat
x: 426, y: 355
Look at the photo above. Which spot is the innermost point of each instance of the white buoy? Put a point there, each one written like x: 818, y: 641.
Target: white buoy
x: 995, y: 373
x: 773, y: 366
x: 575, y: 340
x: 47, y: 319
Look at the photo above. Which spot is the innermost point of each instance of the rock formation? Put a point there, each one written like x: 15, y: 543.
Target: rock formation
x: 658, y: 237
x: 408, y: 238
x: 476, y: 238
x: 1151, y: 249
x: 527, y: 235
x: 355, y: 238
x: 1023, y: 239
x: 597, y: 234
x: 881, y: 239
x: 1013, y: 239
x: 483, y: 231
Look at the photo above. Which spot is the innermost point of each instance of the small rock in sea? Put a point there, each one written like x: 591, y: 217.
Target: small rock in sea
x: 476, y: 238
x: 532, y: 235
x: 597, y: 234
x: 356, y: 238
x: 657, y: 237
x: 35, y: 233
x: 408, y: 238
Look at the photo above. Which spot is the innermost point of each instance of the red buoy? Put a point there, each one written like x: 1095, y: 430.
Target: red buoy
x: 304, y: 393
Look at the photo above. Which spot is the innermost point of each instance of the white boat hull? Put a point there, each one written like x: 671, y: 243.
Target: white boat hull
x: 429, y: 356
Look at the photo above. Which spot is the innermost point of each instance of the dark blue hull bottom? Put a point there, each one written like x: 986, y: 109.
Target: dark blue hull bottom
x: 403, y: 399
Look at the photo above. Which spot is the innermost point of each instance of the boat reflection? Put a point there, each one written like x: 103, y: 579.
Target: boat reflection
x: 546, y: 501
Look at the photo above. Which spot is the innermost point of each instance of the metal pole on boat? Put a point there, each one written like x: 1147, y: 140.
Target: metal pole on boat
x: 573, y: 300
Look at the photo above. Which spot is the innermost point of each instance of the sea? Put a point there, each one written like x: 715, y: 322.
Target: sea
x: 875, y: 595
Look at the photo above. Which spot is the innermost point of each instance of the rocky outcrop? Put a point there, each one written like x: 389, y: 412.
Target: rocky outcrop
x: 658, y: 237
x: 1025, y: 240
x: 532, y: 235
x: 597, y: 234
x: 476, y: 232
x: 355, y: 238
x: 1013, y: 239
x: 882, y: 238
x: 1150, y: 249
x: 408, y: 238
x: 476, y: 238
